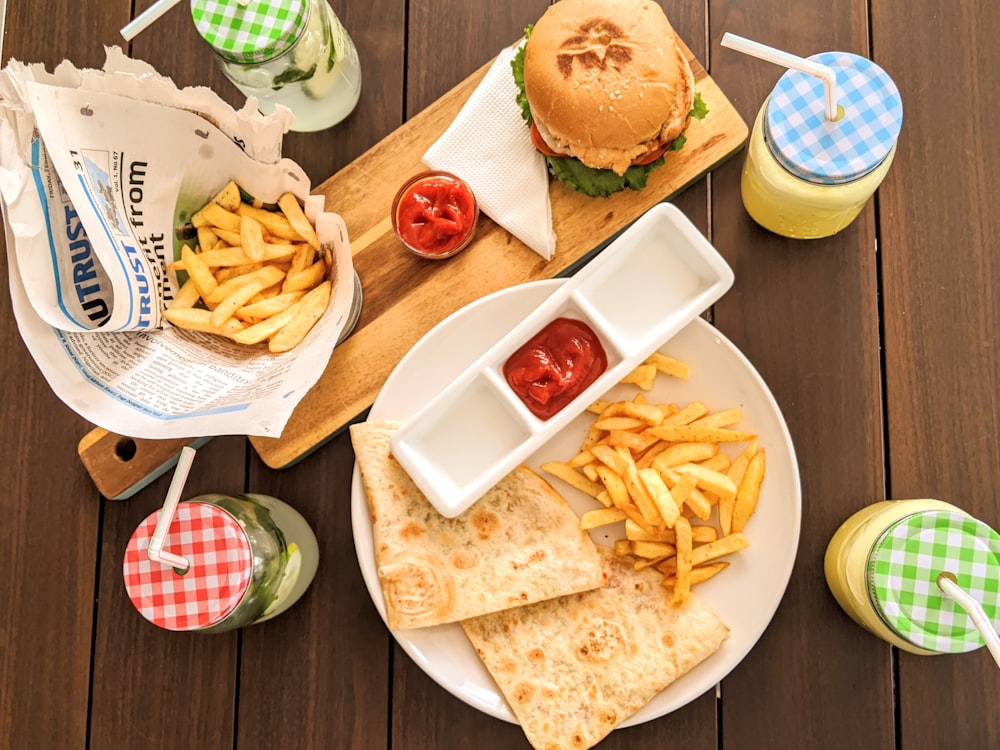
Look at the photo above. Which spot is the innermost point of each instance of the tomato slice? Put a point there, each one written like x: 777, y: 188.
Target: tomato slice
x: 539, y: 143
x: 650, y: 157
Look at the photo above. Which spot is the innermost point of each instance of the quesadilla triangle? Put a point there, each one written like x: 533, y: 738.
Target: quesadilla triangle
x: 574, y: 668
x: 518, y: 544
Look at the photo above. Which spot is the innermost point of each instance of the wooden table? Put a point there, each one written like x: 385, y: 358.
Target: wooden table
x: 880, y: 345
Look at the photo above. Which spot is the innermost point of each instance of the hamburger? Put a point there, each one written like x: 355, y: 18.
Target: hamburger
x: 606, y: 92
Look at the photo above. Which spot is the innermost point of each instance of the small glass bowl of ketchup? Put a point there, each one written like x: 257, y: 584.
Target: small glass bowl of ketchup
x: 435, y: 214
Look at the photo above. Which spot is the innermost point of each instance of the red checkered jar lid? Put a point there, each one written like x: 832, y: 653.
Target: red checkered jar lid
x: 221, y: 564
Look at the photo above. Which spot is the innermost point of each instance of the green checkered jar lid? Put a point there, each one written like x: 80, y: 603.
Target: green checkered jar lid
x: 902, y: 572
x: 250, y: 32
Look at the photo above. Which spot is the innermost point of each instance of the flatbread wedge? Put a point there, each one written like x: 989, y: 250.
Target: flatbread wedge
x: 574, y: 668
x: 518, y: 544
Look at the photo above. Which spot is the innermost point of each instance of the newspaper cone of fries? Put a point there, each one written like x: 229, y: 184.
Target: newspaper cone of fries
x: 171, y: 274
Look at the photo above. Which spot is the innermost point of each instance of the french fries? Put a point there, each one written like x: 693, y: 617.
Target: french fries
x: 255, y: 275
x: 684, y: 560
x: 664, y: 470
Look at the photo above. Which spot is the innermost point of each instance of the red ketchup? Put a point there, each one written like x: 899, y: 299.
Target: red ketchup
x: 555, y: 366
x: 435, y: 214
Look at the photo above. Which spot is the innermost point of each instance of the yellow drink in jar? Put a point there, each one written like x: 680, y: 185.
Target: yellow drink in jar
x: 806, y: 176
x: 882, y: 566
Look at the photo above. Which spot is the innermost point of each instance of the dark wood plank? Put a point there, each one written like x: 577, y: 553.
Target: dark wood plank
x: 48, y: 542
x: 693, y: 725
x: 941, y: 284
x: 805, y: 313
x: 329, y: 656
x: 377, y: 29
x: 33, y: 33
x: 318, y: 675
x: 51, y: 511
x: 327, y: 673
x: 150, y: 686
x: 440, y: 719
x: 172, y: 46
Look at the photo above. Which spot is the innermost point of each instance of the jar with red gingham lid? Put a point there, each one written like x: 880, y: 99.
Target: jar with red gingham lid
x: 250, y: 557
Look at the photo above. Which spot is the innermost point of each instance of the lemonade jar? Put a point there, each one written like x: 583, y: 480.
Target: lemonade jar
x: 886, y: 563
x: 809, y: 171
x: 290, y: 52
x: 218, y: 562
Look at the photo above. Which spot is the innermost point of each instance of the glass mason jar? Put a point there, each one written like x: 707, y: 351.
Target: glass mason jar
x: 882, y: 567
x: 250, y: 557
x: 806, y: 176
x: 290, y: 52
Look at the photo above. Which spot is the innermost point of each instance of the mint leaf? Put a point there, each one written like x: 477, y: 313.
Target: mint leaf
x: 292, y: 75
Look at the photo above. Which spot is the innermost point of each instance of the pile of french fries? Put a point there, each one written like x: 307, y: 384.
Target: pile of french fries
x: 661, y: 469
x: 254, y: 274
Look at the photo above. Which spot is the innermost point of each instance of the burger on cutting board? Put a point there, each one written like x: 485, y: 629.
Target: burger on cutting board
x: 606, y: 91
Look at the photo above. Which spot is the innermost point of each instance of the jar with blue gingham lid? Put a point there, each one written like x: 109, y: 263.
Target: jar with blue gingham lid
x: 883, y: 564
x: 294, y: 53
x: 807, y: 176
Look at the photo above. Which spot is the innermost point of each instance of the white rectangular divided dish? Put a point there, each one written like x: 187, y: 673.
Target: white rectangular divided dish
x: 643, y: 288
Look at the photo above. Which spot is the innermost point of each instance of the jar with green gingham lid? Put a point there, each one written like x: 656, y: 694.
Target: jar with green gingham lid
x: 295, y: 53
x: 883, y: 563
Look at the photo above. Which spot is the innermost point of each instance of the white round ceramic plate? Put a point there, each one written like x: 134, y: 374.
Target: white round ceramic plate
x: 745, y: 595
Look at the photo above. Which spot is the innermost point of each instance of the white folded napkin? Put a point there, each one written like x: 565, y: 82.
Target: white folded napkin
x: 489, y: 147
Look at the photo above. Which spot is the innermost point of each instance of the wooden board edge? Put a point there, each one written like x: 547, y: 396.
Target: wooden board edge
x: 285, y: 451
x: 116, y: 478
x: 120, y: 466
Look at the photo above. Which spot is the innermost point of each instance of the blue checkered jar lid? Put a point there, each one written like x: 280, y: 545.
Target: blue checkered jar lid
x: 250, y: 32
x: 902, y: 571
x: 826, y: 152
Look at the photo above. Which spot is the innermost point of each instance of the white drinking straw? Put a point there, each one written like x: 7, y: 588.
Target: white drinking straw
x: 144, y: 19
x: 156, y: 551
x: 787, y: 60
x: 154, y: 11
x: 947, y: 583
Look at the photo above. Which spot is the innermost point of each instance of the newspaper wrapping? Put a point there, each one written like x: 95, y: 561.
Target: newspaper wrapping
x: 100, y: 171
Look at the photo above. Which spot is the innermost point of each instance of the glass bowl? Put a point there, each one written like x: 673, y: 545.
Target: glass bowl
x: 435, y: 214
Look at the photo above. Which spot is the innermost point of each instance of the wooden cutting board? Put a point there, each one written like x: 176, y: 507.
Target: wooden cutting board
x: 405, y: 296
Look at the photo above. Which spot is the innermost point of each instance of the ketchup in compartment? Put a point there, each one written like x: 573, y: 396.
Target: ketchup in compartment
x: 435, y: 214
x: 555, y: 366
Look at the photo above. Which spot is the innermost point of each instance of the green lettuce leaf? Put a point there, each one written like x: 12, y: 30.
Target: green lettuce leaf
x: 517, y: 65
x: 598, y: 183
x: 699, y: 109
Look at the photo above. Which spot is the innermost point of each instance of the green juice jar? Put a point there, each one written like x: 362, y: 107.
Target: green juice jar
x: 295, y: 53
x: 249, y: 558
